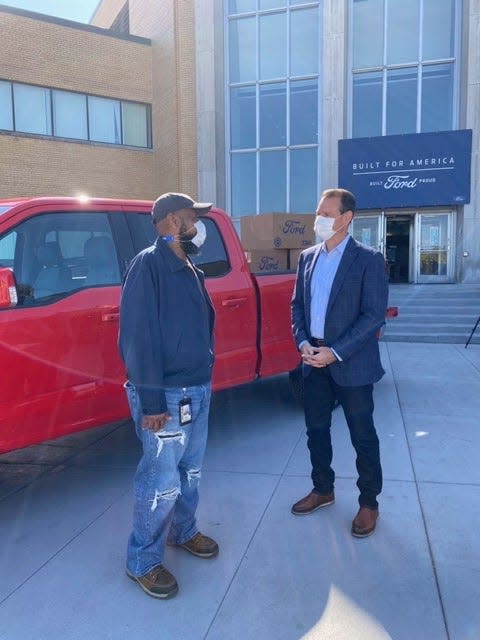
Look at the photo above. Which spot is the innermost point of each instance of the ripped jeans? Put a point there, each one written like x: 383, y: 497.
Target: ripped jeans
x: 167, y: 478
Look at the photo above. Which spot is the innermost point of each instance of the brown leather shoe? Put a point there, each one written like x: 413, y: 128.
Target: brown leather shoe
x: 201, y: 546
x: 364, y: 523
x: 312, y: 502
x: 158, y: 583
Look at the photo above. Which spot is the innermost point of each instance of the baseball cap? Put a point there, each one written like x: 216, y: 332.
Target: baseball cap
x: 169, y: 202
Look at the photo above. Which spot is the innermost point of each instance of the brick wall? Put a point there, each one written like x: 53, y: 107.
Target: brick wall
x: 106, y: 12
x: 50, y: 54
x: 170, y: 26
x: 73, y: 58
x: 36, y: 166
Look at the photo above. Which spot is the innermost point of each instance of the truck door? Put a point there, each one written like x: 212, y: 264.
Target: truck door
x: 59, y: 343
x: 232, y: 294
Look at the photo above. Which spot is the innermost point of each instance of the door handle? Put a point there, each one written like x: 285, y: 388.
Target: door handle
x: 111, y: 315
x: 233, y: 302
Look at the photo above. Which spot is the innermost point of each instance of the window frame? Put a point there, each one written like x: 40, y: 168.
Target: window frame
x: 50, y: 92
x: 26, y: 265
x: 289, y: 8
x: 419, y: 64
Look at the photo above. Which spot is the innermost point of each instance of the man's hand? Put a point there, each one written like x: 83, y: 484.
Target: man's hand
x: 317, y: 356
x: 157, y: 422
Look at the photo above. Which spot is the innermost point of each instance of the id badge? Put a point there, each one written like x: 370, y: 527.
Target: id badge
x: 185, y: 411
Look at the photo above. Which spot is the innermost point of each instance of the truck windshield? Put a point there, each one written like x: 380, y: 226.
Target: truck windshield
x: 3, y: 209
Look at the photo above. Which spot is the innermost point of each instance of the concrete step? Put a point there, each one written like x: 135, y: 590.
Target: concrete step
x: 423, y: 327
x: 434, y: 313
x: 446, y: 338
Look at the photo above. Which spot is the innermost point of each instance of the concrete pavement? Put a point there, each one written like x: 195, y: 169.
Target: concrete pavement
x: 65, y: 510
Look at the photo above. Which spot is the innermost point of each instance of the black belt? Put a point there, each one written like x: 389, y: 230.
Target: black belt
x: 318, y: 342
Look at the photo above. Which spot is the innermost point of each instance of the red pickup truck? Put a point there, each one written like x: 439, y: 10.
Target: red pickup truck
x: 61, y: 266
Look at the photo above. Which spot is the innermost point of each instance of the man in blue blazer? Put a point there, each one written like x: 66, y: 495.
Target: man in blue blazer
x: 338, y: 306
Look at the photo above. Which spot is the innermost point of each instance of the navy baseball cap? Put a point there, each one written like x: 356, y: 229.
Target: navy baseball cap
x: 169, y: 202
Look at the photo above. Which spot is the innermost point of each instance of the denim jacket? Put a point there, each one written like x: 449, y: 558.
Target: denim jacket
x: 166, y: 325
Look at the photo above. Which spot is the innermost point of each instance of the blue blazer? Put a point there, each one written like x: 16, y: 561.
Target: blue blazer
x: 355, y: 312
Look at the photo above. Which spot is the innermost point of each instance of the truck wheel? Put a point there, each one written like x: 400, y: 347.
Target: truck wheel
x: 296, y: 384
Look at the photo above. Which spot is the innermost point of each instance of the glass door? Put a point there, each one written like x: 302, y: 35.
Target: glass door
x: 369, y: 230
x: 434, y: 247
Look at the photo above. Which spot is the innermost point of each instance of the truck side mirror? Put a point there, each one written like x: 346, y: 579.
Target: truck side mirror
x: 8, y: 288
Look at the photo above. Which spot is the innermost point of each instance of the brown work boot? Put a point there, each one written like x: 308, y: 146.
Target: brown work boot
x: 158, y: 583
x: 364, y: 523
x: 201, y: 546
x: 312, y: 502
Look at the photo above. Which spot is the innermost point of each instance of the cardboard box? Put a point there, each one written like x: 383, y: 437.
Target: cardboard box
x: 267, y: 260
x: 278, y: 231
x: 293, y: 255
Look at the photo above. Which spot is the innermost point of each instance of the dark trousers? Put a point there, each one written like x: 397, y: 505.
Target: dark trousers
x: 357, y: 403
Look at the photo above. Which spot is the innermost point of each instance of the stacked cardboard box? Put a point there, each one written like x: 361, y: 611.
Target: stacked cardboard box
x: 273, y: 241
x: 294, y: 255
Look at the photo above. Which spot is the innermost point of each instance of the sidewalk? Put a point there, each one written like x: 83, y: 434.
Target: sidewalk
x: 65, y: 511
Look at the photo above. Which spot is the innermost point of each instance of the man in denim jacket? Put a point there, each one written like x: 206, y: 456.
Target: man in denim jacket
x: 166, y: 342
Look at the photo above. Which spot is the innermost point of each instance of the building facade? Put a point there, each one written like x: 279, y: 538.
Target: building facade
x: 259, y: 105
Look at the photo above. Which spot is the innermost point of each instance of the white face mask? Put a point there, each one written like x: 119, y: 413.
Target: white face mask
x: 201, y: 234
x: 323, y: 228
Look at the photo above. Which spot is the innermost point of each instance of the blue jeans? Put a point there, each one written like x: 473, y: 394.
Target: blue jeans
x: 167, y: 478
x: 357, y: 403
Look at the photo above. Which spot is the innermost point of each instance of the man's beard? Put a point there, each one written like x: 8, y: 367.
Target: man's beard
x: 188, y: 246
x: 186, y: 241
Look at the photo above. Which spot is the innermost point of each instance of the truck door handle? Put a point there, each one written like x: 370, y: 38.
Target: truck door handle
x: 233, y: 302
x: 111, y: 316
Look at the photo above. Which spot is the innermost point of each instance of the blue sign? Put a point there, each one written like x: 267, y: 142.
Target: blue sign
x: 410, y: 170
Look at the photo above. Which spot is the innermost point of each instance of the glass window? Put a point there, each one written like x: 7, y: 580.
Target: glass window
x: 276, y: 106
x: 401, y: 101
x: 271, y: 4
x: 407, y: 95
x: 7, y: 249
x: 242, y: 50
x: 241, y: 6
x: 60, y: 113
x: 303, y: 180
x: 134, y: 124
x: 273, y: 181
x: 273, y: 114
x: 437, y: 97
x: 104, y: 120
x: 367, y: 21
x: 367, y: 104
x: 365, y: 230
x: 52, y: 256
x: 32, y: 109
x: 6, y: 114
x: 304, y: 112
x: 142, y: 230
x: 243, y: 117
x: 304, y: 42
x: 438, y: 29
x: 212, y: 258
x: 244, y: 184
x: 70, y: 115
x: 273, y: 45
x: 434, y: 245
x: 402, y: 31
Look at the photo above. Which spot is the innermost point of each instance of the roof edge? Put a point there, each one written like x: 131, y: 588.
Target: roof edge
x: 74, y: 25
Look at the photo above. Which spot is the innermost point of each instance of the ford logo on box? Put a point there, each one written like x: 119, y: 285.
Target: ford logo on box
x: 278, y: 231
